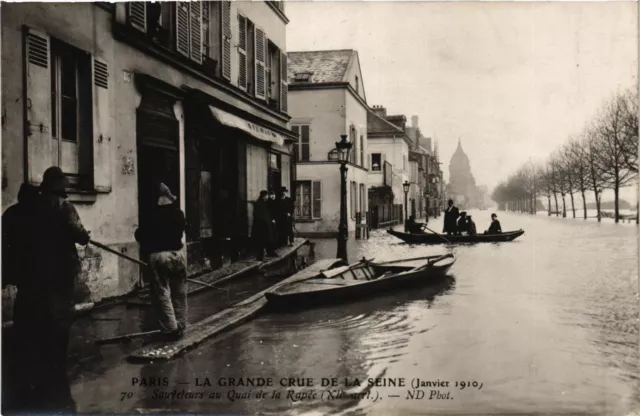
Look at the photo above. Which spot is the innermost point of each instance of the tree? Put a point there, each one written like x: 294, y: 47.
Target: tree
x: 577, y: 154
x: 612, y: 158
x: 596, y: 183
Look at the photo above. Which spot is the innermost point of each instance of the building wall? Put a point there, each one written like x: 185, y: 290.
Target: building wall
x: 393, y: 150
x: 324, y: 111
x: 112, y: 215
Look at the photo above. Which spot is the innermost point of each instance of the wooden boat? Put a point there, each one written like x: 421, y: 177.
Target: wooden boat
x: 426, y: 238
x: 360, y: 279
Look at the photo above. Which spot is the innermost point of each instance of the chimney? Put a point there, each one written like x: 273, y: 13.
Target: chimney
x: 414, y: 121
x: 380, y: 111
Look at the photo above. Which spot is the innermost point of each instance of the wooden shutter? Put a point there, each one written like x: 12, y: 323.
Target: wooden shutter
x: 137, y: 11
x: 260, y: 76
x: 316, y: 194
x: 38, y: 104
x: 182, y: 27
x: 195, y: 30
x: 283, y: 83
x: 242, y: 52
x: 226, y: 39
x: 304, y: 143
x: 101, y: 127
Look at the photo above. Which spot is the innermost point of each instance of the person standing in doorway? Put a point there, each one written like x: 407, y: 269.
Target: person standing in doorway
x: 451, y: 219
x: 274, y: 211
x: 285, y: 220
x: 161, y: 237
x: 261, y: 230
x: 44, y: 309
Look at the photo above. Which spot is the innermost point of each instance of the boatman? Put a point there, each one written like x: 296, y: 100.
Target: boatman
x: 471, y: 226
x: 451, y: 219
x: 495, y: 227
x: 462, y: 223
x: 414, y: 227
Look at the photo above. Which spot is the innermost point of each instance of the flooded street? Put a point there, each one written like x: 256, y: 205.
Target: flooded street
x: 545, y: 324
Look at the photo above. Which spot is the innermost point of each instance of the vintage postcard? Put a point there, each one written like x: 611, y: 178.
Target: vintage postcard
x: 315, y: 207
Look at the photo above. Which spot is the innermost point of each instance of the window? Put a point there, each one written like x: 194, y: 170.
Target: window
x: 363, y: 199
x: 273, y: 73
x: 354, y: 148
x: 308, y: 204
x: 361, y: 150
x: 353, y: 199
x: 303, y: 141
x: 303, y: 77
x: 71, y: 110
x: 376, y: 162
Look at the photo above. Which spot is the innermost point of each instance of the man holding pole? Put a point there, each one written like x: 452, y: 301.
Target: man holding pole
x: 162, y: 239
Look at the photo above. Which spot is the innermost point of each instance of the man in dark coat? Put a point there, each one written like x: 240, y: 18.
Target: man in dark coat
x: 44, y: 308
x: 161, y: 237
x: 495, y: 227
x: 451, y: 219
x: 15, y: 238
x: 262, y: 223
x: 462, y: 223
x: 285, y: 219
x: 274, y: 211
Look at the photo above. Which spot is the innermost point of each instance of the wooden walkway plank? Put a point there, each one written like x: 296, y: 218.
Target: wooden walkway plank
x: 231, y: 317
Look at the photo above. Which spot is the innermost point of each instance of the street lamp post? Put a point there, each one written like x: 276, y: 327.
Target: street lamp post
x: 405, y: 187
x: 343, y: 148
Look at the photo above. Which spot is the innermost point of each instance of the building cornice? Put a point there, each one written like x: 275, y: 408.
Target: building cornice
x: 307, y: 86
x: 279, y: 12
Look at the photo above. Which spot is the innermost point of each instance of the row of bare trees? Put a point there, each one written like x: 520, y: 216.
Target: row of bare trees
x: 603, y: 156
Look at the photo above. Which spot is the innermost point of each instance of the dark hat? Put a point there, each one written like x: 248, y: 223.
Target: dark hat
x: 284, y: 189
x: 451, y: 201
x: 263, y: 193
x: 463, y: 214
x: 494, y: 215
x: 54, y: 181
x: 271, y: 191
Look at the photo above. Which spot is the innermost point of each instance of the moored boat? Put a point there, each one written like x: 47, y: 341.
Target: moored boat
x: 426, y: 238
x: 357, y: 280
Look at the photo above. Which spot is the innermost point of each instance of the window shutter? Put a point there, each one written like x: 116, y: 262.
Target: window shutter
x: 304, y: 143
x: 182, y: 27
x: 195, y: 30
x: 38, y: 104
x: 260, y: 64
x: 283, y: 83
x: 138, y: 15
x: 101, y: 127
x: 242, y: 52
x: 316, y: 194
x: 226, y: 40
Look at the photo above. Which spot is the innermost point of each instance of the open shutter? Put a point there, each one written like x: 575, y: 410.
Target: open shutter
x: 182, y: 27
x: 137, y: 11
x: 101, y: 127
x: 195, y: 30
x: 242, y: 52
x: 316, y: 194
x: 260, y: 64
x: 283, y: 83
x: 226, y: 39
x: 38, y: 104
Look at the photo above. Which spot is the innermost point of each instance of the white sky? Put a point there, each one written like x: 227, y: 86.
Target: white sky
x: 512, y: 80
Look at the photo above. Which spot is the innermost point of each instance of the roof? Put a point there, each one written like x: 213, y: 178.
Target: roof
x: 377, y: 124
x: 326, y: 66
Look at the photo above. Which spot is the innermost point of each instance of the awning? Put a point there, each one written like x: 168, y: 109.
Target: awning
x: 259, y: 132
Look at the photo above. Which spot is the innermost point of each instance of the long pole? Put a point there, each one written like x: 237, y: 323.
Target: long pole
x: 342, y: 229
x: 405, y: 206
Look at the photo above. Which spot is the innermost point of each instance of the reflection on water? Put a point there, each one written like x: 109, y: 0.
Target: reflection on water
x: 547, y: 323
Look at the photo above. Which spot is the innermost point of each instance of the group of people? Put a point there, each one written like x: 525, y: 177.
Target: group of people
x: 40, y: 258
x: 458, y: 223
x: 272, y: 222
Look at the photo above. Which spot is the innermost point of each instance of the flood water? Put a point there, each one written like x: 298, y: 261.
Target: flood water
x: 546, y: 324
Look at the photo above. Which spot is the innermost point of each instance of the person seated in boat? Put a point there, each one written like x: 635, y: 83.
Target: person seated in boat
x: 495, y: 227
x: 414, y: 227
x: 471, y: 226
x: 462, y: 223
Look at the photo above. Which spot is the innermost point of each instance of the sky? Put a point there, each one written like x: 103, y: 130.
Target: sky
x: 511, y: 80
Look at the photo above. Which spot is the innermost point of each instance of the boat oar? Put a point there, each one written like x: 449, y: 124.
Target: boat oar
x: 117, y: 253
x: 447, y: 241
x: 141, y: 263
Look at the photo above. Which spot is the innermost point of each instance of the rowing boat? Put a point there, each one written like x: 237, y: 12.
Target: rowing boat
x: 359, y: 279
x: 425, y: 238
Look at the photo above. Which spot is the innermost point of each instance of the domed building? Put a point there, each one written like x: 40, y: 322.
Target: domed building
x: 462, y: 185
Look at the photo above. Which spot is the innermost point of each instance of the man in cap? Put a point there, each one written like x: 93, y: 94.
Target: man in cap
x: 285, y: 219
x: 44, y: 308
x: 161, y: 237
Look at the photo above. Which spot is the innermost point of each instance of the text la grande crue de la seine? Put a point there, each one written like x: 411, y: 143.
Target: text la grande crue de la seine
x: 415, y: 382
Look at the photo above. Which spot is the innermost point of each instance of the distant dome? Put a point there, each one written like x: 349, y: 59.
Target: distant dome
x: 459, y: 160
